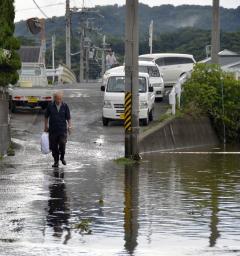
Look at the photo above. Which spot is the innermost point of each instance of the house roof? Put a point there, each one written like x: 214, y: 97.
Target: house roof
x: 226, y: 57
x: 29, y: 54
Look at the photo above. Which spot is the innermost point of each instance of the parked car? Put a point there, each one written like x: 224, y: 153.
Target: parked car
x: 114, y: 96
x: 148, y: 67
x: 171, y: 65
x: 32, y: 89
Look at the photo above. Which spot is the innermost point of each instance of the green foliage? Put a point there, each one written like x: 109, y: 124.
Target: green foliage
x: 203, y: 95
x: 8, y: 66
x: 11, y: 151
x: 84, y: 226
x: 125, y: 161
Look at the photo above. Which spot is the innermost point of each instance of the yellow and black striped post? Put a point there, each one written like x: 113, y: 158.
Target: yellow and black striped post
x: 131, y: 120
x: 128, y: 112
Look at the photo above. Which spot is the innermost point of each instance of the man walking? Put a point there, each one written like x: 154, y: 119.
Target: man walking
x: 58, y: 123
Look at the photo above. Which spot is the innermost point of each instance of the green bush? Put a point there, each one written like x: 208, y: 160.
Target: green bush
x: 202, y: 95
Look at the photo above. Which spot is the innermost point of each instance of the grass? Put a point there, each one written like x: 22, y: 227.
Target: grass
x: 125, y: 161
x: 1, y: 157
x: 164, y: 117
x: 84, y: 226
x: 11, y: 151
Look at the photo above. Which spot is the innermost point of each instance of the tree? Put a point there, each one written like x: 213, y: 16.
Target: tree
x: 9, y: 59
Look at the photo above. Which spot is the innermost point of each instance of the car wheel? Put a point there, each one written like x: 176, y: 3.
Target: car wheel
x: 145, y: 121
x: 151, y: 116
x: 105, y: 121
x: 13, y: 107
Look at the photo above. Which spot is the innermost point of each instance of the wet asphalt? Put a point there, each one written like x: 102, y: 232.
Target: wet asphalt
x: 169, y: 205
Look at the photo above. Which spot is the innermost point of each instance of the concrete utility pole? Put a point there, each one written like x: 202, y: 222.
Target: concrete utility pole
x: 103, y: 56
x: 81, y: 75
x: 215, y: 32
x: 53, y: 57
x: 131, y: 80
x: 87, y: 63
x: 68, y: 34
x: 151, y: 37
x: 43, y: 41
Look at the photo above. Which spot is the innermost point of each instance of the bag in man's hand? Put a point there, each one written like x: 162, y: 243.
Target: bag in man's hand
x: 45, y: 143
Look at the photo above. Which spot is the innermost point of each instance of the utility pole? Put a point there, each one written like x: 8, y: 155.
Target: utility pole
x: 215, y: 32
x: 151, y: 37
x: 53, y: 57
x: 87, y: 62
x: 43, y: 41
x: 81, y: 75
x: 68, y: 34
x: 131, y: 123
x: 103, y: 56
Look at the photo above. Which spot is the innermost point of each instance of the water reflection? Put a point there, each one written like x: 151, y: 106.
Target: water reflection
x: 214, y: 220
x: 131, y: 193
x: 194, y: 195
x: 58, y: 207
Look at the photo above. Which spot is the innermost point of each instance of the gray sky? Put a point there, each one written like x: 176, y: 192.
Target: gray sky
x: 26, y: 8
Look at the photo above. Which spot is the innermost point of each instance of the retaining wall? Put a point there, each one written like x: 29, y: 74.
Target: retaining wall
x: 179, y: 133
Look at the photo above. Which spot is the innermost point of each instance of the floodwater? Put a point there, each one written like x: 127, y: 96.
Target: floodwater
x: 169, y: 205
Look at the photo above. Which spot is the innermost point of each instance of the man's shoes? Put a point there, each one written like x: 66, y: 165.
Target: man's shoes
x: 63, y: 161
x: 55, y: 165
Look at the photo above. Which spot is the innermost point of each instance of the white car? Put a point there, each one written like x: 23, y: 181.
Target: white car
x: 171, y: 65
x: 148, y: 67
x: 114, y: 96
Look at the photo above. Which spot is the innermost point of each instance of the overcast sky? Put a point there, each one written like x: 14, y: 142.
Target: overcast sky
x: 28, y: 9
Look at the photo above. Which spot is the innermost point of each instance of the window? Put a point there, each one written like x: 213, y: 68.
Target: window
x: 177, y: 60
x: 117, y: 84
x: 172, y: 61
x: 160, y: 62
x: 151, y: 70
x: 186, y: 60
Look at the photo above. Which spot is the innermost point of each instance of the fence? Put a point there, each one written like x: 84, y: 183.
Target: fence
x: 175, y: 94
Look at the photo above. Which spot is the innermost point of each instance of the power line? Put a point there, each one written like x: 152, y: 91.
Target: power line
x: 45, y: 6
x: 43, y: 13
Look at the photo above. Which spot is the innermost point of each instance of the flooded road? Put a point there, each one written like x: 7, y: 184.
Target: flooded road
x: 170, y: 204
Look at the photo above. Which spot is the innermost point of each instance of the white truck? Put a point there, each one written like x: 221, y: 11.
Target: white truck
x: 32, y: 89
x: 114, y: 94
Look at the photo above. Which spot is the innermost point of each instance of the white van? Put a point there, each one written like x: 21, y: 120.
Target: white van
x: 171, y: 65
x: 148, y: 67
x: 114, y: 95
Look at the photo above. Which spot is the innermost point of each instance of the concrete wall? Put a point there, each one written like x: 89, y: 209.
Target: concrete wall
x: 4, y: 127
x: 179, y: 133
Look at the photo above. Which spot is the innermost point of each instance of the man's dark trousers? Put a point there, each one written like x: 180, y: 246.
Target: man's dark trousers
x: 58, y: 129
x: 58, y: 145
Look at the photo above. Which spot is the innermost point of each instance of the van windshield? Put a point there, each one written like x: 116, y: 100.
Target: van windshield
x: 117, y: 84
x: 151, y: 70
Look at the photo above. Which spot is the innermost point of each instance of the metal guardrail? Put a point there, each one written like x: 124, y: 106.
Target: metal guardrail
x: 63, y: 73
x: 175, y: 94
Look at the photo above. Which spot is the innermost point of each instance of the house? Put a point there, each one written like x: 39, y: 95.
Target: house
x: 229, y: 61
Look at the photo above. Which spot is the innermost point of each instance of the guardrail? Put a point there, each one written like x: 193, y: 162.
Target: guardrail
x: 63, y: 73
x: 175, y: 94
